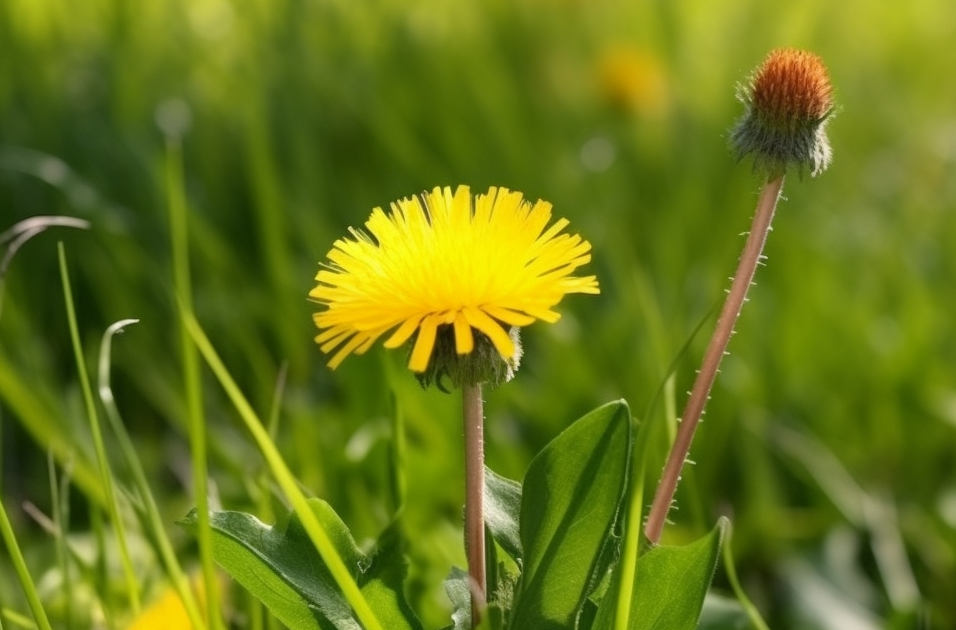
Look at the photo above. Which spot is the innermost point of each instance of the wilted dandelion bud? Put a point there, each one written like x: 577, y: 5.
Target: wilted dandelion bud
x: 788, y: 102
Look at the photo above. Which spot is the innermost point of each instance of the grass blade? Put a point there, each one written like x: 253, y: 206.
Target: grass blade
x: 191, y: 376
x: 22, y: 232
x: 748, y: 606
x: 29, y: 403
x: 104, y: 466
x: 150, y: 518
x: 61, y: 519
x: 632, y: 536
x: 18, y: 620
x: 284, y: 477
x: 20, y: 567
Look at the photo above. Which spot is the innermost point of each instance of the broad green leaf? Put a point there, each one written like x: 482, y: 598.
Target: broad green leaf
x: 502, y: 511
x: 669, y: 587
x: 383, y: 583
x: 280, y: 566
x: 268, y: 563
x: 571, y: 500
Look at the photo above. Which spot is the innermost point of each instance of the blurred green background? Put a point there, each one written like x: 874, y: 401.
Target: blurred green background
x: 831, y: 433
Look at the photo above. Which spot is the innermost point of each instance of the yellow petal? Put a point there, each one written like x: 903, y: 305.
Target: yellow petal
x: 464, y: 340
x: 346, y: 350
x: 336, y: 341
x: 490, y: 327
x: 404, y: 331
x: 422, y: 352
x: 508, y: 316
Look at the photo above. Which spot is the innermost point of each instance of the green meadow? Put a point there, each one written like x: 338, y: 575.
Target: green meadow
x: 830, y: 437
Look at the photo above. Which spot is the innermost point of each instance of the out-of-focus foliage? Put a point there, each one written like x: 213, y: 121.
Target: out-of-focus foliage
x: 830, y: 436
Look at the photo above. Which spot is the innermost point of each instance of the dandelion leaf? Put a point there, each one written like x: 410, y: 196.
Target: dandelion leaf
x: 571, y: 503
x: 280, y: 566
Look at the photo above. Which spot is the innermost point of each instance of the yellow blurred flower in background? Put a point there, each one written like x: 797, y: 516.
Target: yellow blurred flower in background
x: 633, y: 80
x: 166, y: 613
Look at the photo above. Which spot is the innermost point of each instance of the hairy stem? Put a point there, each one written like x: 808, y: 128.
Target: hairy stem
x: 474, y: 490
x: 715, y: 352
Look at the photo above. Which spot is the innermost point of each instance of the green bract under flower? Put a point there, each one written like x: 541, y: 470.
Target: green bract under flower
x: 788, y: 102
x: 444, y: 269
x: 484, y: 364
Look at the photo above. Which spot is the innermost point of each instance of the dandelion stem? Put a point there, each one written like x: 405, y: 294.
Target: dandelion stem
x: 715, y: 352
x: 474, y: 490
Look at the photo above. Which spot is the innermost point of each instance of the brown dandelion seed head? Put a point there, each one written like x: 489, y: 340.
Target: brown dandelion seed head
x: 792, y: 85
x: 788, y: 101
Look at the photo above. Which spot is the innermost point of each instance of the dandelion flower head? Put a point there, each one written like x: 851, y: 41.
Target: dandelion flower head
x: 447, y: 263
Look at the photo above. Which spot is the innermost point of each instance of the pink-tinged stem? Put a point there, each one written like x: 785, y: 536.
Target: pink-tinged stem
x: 715, y: 352
x: 474, y: 496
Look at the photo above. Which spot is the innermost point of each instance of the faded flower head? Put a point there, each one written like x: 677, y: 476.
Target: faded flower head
x: 456, y: 275
x: 788, y: 101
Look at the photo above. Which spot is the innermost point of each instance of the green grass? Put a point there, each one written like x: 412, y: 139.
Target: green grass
x: 305, y: 115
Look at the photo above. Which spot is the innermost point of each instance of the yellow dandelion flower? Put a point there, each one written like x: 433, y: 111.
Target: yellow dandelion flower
x: 633, y: 80
x: 447, y: 263
x: 167, y: 612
